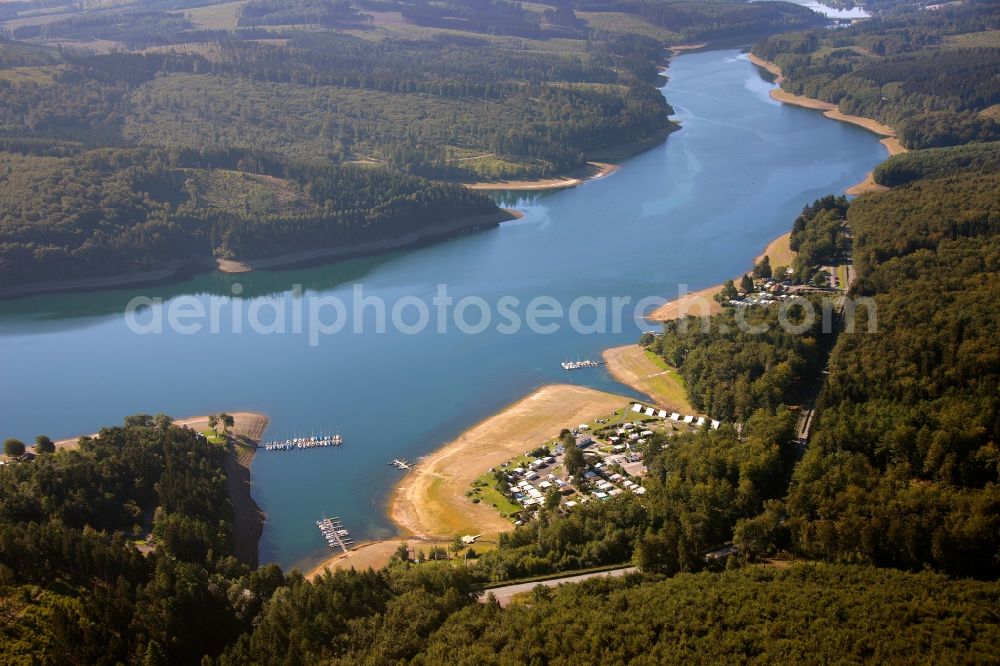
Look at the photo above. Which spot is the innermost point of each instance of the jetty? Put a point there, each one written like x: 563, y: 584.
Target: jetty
x: 334, y: 533
x: 401, y: 463
x: 316, y: 441
x: 576, y: 365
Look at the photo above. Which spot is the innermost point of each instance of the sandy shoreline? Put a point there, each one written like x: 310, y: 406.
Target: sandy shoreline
x: 891, y: 141
x: 702, y: 302
x: 246, y: 433
x: 429, y: 504
x: 591, y: 171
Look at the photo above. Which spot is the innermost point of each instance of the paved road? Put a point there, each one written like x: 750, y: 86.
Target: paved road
x: 506, y: 593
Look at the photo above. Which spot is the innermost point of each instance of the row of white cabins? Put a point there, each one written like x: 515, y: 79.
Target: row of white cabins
x: 639, y: 408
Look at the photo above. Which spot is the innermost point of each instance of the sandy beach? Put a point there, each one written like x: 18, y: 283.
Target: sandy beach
x: 632, y: 366
x: 429, y: 505
x: 430, y: 501
x: 591, y: 171
x: 702, y: 302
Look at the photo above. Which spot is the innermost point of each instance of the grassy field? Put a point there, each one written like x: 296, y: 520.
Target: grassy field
x: 620, y: 22
x: 645, y: 372
x: 249, y: 194
x: 779, y: 251
x: 214, y: 17
x: 984, y: 39
x: 37, y: 75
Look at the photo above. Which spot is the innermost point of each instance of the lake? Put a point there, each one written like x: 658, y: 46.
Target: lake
x: 693, y: 211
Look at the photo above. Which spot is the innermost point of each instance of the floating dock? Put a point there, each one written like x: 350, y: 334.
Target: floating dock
x: 334, y: 533
x: 303, y: 443
x: 576, y: 365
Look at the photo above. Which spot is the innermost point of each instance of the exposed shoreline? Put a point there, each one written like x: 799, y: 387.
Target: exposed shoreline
x: 429, y: 505
x: 590, y: 171
x: 702, y: 302
x: 891, y: 141
x: 180, y: 269
x: 595, y: 168
x: 248, y: 519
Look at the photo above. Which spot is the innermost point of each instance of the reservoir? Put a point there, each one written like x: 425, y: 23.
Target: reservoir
x: 692, y: 211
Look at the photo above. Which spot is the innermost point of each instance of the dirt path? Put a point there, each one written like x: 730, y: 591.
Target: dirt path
x: 504, y: 595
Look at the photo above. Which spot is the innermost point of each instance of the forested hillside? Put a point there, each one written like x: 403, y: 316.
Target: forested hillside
x: 932, y: 75
x: 74, y: 586
x: 936, y: 162
x: 114, y: 211
x: 902, y: 468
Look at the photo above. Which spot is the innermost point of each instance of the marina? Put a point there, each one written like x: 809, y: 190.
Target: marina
x: 577, y: 365
x: 334, y: 533
x: 314, y: 442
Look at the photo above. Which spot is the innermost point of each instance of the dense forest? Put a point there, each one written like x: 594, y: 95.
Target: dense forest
x: 933, y: 76
x: 937, y: 162
x: 901, y: 468
x: 743, y: 360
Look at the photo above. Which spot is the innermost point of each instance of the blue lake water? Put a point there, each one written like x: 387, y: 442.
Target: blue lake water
x: 694, y: 211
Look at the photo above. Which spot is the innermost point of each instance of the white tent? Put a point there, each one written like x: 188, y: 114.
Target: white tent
x: 637, y: 408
